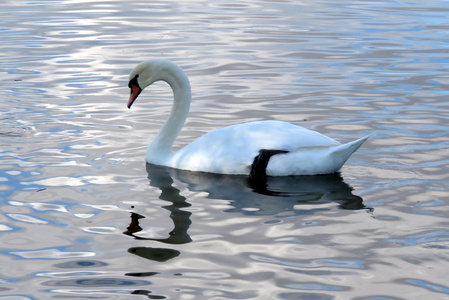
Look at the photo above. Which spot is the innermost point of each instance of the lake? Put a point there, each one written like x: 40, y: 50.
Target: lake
x: 82, y: 215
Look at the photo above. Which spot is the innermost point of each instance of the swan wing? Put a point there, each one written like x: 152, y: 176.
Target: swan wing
x: 232, y: 149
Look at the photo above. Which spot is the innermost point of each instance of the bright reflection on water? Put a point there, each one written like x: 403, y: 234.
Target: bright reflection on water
x: 82, y: 216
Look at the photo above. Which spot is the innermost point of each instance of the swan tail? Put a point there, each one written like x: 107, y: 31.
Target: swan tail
x: 342, y: 153
x: 312, y: 160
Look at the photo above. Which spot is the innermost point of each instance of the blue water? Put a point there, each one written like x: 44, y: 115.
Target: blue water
x: 82, y: 216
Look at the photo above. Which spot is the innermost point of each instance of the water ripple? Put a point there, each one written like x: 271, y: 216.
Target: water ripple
x: 79, y: 203
x: 423, y: 238
x: 317, y: 263
x: 429, y: 286
x: 51, y: 253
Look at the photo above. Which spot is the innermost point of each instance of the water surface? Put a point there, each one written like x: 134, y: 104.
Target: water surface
x: 83, y: 216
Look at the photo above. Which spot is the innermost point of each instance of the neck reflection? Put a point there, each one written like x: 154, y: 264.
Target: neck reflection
x: 161, y: 179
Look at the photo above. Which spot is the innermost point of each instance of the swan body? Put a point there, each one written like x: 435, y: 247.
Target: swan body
x: 234, y: 149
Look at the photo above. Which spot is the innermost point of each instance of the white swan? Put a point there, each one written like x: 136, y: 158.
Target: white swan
x: 272, y: 148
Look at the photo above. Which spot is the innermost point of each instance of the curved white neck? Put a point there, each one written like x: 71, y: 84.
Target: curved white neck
x: 161, y: 146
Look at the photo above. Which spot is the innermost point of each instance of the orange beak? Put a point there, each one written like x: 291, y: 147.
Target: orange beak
x: 135, y: 91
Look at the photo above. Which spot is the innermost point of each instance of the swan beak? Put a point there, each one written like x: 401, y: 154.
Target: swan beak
x: 135, y: 91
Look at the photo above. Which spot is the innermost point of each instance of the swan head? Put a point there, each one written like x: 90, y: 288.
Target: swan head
x: 150, y: 71
x: 140, y: 77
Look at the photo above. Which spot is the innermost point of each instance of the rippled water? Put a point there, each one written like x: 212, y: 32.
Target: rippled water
x: 82, y: 216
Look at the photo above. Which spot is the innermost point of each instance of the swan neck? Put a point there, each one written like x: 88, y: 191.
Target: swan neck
x: 162, y: 144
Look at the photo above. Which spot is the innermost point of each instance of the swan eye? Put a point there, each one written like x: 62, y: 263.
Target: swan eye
x: 134, y: 82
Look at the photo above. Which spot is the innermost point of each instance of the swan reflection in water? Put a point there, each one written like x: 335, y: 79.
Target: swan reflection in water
x: 276, y: 195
